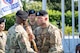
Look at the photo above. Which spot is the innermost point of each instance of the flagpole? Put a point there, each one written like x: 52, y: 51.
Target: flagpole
x: 63, y: 17
x: 79, y: 15
x: 73, y: 22
x: 44, y: 4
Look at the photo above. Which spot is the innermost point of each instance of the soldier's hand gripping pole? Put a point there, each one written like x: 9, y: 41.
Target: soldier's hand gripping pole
x: 31, y: 36
x: 34, y: 44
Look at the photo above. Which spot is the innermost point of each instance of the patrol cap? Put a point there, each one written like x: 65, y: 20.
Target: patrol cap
x: 22, y: 14
x: 2, y: 20
x: 31, y: 11
x: 41, y: 13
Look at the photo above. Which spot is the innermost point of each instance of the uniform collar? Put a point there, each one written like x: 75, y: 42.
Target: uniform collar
x: 1, y: 34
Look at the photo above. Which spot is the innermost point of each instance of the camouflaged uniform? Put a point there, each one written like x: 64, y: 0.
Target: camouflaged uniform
x: 18, y: 40
x: 48, y: 39
x: 2, y: 42
x: 33, y: 26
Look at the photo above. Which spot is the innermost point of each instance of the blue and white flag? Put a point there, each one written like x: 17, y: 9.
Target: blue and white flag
x: 9, y: 6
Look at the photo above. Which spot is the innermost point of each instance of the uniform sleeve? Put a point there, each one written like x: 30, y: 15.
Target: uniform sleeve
x: 4, y: 39
x: 24, y: 44
x: 8, y: 43
x: 56, y: 42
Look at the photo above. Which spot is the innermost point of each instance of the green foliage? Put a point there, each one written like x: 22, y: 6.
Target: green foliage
x: 34, y: 5
x: 54, y: 15
x: 10, y: 19
x: 24, y: 5
x: 76, y: 5
x: 68, y: 29
x: 68, y: 18
x: 76, y: 19
x: 54, y: 23
x: 56, y: 4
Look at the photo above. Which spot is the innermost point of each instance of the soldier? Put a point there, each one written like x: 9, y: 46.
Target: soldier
x: 3, y: 36
x: 32, y: 19
x: 48, y: 36
x: 32, y: 25
x: 18, y: 39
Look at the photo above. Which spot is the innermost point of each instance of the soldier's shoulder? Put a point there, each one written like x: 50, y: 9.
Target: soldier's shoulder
x: 4, y: 33
x: 37, y: 30
x: 11, y: 28
x: 16, y: 28
x: 53, y: 27
x: 19, y: 28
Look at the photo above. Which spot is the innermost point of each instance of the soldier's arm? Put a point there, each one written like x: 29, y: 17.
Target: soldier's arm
x: 7, y: 48
x: 59, y: 41
x: 4, y: 39
x: 55, y: 41
x: 30, y: 33
x: 24, y: 44
x: 59, y: 38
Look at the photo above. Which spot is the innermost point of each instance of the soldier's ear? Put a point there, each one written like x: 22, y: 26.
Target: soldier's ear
x: 46, y: 19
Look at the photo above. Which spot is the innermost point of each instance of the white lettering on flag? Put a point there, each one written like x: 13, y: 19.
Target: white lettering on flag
x: 9, y: 6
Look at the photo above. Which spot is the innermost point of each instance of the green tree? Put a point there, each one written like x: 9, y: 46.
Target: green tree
x: 68, y: 30
x: 56, y: 4
x: 24, y: 4
x: 34, y: 5
x: 10, y: 20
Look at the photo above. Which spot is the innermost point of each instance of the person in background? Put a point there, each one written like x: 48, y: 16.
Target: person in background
x: 3, y: 36
x: 31, y: 25
x: 32, y: 19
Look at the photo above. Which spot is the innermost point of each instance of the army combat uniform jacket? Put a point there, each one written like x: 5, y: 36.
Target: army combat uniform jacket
x: 18, y: 40
x: 48, y: 39
x: 3, y: 38
x: 33, y: 26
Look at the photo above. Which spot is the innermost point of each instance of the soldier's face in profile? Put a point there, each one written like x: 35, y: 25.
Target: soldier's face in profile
x: 40, y: 20
x: 25, y: 22
x: 2, y: 26
x: 32, y: 17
